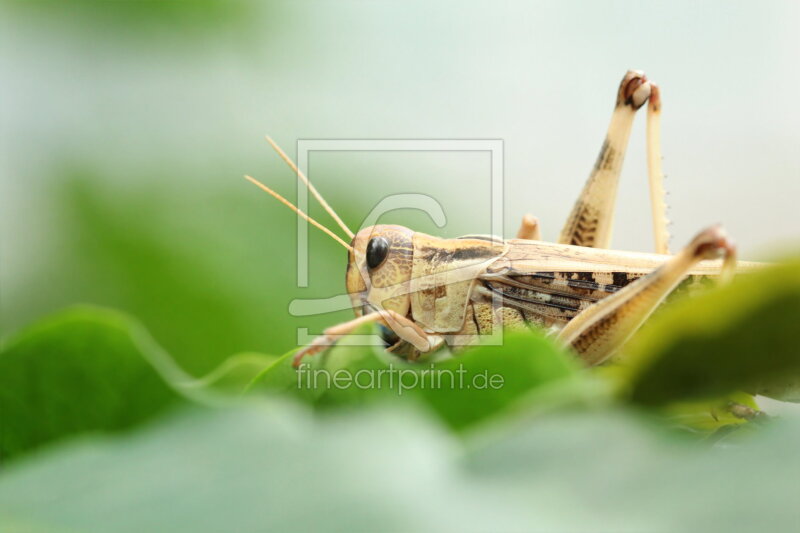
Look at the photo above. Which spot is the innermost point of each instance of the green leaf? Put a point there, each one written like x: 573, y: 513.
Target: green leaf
x: 491, y: 379
x: 85, y: 369
x: 234, y: 375
x: 470, y: 387
x: 709, y: 416
x: 741, y: 337
x: 276, y: 468
x: 142, y: 20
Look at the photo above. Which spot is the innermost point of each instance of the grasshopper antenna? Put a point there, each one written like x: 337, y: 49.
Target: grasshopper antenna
x: 311, y: 188
x: 291, y: 206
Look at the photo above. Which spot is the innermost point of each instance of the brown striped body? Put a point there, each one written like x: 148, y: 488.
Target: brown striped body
x: 461, y: 288
x: 551, y: 299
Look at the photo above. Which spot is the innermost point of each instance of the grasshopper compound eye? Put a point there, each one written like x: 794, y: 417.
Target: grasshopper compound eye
x: 377, y: 249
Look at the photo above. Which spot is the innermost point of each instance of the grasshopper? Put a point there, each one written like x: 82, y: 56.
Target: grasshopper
x: 428, y: 292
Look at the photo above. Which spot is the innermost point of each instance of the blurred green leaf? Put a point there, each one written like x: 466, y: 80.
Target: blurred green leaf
x: 142, y: 18
x: 741, y: 337
x: 209, y: 272
x: 276, y: 468
x: 470, y: 387
x: 524, y: 363
x: 86, y: 369
x: 234, y: 375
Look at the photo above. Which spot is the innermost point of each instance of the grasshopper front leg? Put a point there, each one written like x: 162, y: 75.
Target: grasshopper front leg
x: 598, y: 331
x: 402, y: 326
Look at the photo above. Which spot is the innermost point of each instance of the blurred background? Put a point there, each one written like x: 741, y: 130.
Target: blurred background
x: 127, y: 127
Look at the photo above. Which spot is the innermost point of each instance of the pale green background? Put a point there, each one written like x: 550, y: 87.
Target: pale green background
x: 157, y: 112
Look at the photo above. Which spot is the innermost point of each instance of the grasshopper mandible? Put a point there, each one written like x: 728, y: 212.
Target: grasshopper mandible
x: 427, y: 291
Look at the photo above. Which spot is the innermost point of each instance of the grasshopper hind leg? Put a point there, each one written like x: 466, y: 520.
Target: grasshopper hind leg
x: 658, y: 205
x: 599, y: 330
x: 591, y: 221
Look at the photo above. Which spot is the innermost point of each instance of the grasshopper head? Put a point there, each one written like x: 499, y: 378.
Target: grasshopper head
x: 379, y: 269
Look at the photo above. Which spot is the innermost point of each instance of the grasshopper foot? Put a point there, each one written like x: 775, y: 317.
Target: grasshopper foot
x: 317, y: 345
x: 714, y: 243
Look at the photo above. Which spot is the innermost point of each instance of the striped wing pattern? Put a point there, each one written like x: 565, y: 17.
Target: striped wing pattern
x: 554, y: 298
